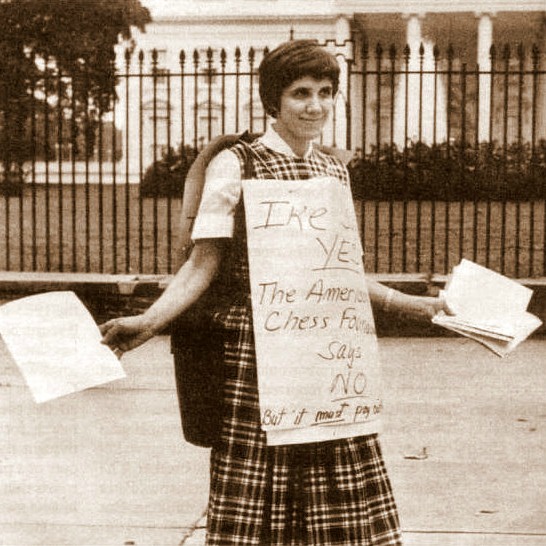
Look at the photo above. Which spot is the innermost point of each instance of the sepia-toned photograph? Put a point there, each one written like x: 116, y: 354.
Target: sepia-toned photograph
x: 272, y: 273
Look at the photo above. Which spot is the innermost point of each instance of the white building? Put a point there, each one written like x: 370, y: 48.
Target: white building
x: 194, y: 100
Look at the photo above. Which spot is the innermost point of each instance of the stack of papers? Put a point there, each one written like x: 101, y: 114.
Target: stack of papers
x: 488, y: 307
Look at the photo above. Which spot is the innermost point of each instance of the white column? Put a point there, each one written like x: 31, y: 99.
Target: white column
x: 343, y: 29
x: 485, y: 40
x: 342, y: 36
x: 413, y: 32
x: 413, y: 40
x: 425, y: 95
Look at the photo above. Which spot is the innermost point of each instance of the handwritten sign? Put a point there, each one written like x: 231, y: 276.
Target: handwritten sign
x: 316, y: 345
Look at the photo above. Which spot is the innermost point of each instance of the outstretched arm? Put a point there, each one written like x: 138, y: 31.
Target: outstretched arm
x: 189, y: 283
x: 410, y: 307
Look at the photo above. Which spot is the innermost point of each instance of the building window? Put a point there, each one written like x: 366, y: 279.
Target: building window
x: 254, y: 114
x: 156, y: 129
x: 159, y: 144
x: 209, y: 116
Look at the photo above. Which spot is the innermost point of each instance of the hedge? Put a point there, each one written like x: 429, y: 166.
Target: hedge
x: 496, y: 172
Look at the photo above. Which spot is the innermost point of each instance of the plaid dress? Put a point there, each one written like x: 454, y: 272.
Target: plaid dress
x: 328, y: 493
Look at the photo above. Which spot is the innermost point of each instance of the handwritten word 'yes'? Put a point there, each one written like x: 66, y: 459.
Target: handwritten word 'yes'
x: 339, y: 253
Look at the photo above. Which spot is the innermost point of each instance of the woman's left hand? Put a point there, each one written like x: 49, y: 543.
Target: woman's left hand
x: 422, y: 308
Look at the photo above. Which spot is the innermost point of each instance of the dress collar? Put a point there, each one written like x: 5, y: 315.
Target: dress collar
x: 272, y: 140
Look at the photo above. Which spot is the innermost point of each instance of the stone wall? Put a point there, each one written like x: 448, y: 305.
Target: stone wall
x: 108, y: 296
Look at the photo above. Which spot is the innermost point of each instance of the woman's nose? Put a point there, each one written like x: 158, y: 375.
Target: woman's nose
x: 314, y: 104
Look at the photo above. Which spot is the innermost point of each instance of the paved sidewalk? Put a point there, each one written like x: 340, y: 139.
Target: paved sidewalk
x: 108, y: 466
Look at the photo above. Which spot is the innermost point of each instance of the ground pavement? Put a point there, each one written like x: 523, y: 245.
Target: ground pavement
x: 464, y: 441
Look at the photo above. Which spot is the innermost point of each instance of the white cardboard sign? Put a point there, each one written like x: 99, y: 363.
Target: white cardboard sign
x: 316, y: 346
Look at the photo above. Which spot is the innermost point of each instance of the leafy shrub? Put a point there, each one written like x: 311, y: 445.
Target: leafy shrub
x: 166, y: 177
x: 459, y: 173
x: 12, y: 183
x: 420, y: 172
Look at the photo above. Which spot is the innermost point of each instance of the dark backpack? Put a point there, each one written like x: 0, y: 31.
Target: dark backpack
x: 197, y: 345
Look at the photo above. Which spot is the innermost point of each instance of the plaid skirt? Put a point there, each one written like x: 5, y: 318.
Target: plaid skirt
x: 328, y: 493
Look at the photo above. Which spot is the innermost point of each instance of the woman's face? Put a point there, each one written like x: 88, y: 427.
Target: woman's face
x: 305, y: 107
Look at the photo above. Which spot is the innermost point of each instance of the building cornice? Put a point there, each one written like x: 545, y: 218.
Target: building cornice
x: 202, y: 11
x: 438, y: 6
x: 219, y: 19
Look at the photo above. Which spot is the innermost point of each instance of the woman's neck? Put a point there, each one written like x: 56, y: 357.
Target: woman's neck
x: 299, y: 146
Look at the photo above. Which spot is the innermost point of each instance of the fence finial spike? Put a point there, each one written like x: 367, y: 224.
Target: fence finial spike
x: 535, y: 54
x: 392, y: 52
x: 493, y: 52
x: 365, y: 49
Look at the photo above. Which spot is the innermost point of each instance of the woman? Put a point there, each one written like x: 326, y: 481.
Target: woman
x: 329, y: 493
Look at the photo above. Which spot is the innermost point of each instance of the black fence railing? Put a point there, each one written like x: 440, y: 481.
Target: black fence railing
x: 449, y: 159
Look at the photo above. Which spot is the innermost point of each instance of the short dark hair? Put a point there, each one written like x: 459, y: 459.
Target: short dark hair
x: 289, y: 62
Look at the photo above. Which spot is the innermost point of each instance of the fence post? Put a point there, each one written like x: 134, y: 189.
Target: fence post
x: 485, y: 39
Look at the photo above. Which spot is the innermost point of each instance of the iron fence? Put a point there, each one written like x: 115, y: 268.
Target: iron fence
x: 449, y: 159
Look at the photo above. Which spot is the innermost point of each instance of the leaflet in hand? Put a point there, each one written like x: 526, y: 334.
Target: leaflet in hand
x: 55, y: 342
x: 488, y: 307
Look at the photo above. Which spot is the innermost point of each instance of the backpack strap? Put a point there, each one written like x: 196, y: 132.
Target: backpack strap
x: 248, y: 165
x: 195, y: 181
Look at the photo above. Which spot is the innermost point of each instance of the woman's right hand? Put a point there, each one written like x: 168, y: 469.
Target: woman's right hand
x: 126, y: 333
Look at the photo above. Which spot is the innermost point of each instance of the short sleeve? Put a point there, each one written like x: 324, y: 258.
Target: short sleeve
x: 221, y: 194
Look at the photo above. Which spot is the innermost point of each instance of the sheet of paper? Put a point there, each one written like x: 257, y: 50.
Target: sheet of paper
x: 316, y: 347
x: 55, y: 342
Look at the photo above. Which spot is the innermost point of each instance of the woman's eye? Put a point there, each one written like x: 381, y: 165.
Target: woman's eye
x: 300, y: 93
x: 326, y: 93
